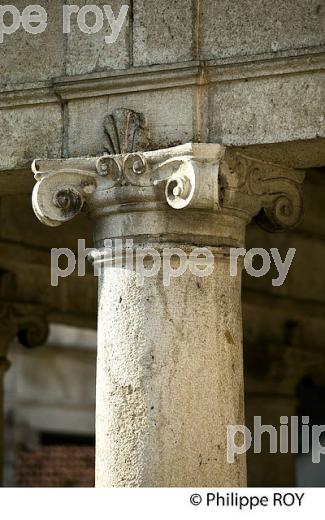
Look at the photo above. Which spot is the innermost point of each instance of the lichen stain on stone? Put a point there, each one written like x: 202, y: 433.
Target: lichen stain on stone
x: 229, y: 337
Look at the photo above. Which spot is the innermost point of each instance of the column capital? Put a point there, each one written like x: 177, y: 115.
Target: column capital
x: 26, y: 321
x: 192, y: 190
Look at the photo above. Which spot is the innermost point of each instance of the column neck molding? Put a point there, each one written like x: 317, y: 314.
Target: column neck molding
x: 192, y: 190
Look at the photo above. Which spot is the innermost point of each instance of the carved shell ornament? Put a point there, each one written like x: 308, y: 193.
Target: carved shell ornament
x: 126, y: 131
x: 61, y: 194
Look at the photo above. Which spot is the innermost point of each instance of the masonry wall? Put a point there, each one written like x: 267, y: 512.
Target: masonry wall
x: 238, y: 73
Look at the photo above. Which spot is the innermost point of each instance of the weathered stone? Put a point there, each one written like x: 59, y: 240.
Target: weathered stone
x: 150, y: 393
x: 259, y: 107
x: 83, y: 126
x: 126, y: 131
x: 26, y: 58
x: 163, y: 32
x: 169, y: 113
x: 245, y: 74
x: 241, y: 105
x: 87, y: 53
x: 230, y: 28
x: 28, y: 133
x: 168, y: 386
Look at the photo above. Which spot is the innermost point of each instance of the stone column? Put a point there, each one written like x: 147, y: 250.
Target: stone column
x: 170, y: 366
x: 27, y: 323
x: 4, y: 365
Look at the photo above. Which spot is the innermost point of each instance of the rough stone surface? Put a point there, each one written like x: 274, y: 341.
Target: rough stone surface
x: 89, y: 52
x: 162, y: 32
x: 268, y: 110
x: 160, y: 373
x: 169, y: 113
x: 230, y: 28
x: 168, y: 384
x: 266, y: 94
x: 85, y: 130
x: 26, y: 58
x: 28, y: 133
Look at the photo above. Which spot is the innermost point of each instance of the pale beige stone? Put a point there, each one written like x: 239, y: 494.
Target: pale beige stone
x: 84, y: 128
x: 168, y: 384
x: 87, y: 53
x: 27, y: 58
x: 231, y: 28
x: 28, y: 133
x: 169, y: 380
x: 169, y: 113
x: 163, y: 32
x: 290, y: 106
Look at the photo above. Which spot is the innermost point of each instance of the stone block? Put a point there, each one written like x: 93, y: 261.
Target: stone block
x: 30, y: 132
x: 29, y: 58
x: 230, y: 28
x: 89, y: 52
x: 85, y: 126
x: 169, y: 114
x: 162, y: 32
x: 268, y: 110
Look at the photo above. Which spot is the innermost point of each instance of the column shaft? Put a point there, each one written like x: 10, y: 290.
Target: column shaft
x: 169, y: 379
x: 4, y: 365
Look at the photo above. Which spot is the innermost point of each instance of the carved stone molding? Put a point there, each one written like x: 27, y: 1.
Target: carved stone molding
x: 206, y: 178
x: 273, y: 193
x: 58, y: 198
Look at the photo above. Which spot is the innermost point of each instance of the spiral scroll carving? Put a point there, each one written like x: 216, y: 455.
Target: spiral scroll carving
x: 130, y: 170
x: 270, y: 193
x: 194, y: 176
x: 28, y: 322
x: 60, y: 196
